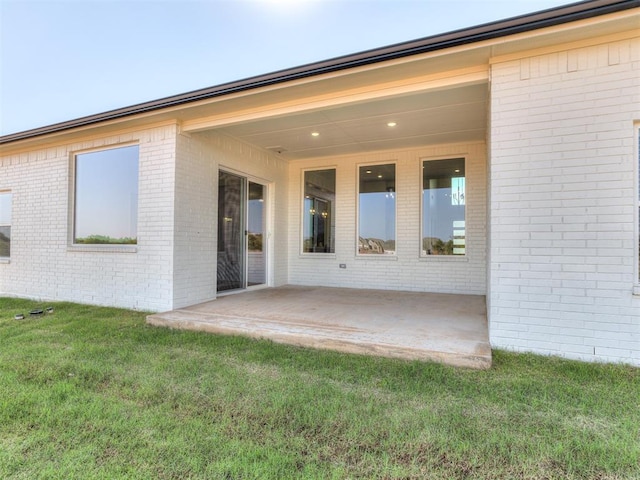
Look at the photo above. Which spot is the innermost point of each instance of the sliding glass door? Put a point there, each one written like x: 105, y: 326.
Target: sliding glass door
x: 231, y: 242
x: 241, y: 233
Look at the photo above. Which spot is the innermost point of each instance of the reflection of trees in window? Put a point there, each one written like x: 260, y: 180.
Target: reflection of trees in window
x: 102, y: 240
x: 106, y: 196
x: 443, y: 207
x: 436, y: 246
x: 318, y: 218
x: 255, y: 242
x: 377, y: 209
x: 5, y: 223
x: 255, y: 212
x: 5, y: 241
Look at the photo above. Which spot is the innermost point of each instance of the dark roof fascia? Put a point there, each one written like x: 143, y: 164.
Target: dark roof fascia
x: 511, y: 26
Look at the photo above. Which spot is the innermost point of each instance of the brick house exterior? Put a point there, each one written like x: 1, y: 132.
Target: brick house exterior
x: 548, y: 133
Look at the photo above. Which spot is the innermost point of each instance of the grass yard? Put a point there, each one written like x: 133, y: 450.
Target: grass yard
x: 89, y: 392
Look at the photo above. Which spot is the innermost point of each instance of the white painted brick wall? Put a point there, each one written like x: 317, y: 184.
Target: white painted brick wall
x: 406, y: 270
x: 43, y: 266
x: 195, y: 224
x: 174, y: 264
x: 562, y: 205
x: 199, y: 157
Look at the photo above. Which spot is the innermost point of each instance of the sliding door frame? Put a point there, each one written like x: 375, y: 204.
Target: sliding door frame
x: 267, y: 227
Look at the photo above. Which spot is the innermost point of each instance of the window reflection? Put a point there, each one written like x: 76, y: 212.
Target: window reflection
x: 443, y: 207
x: 5, y: 224
x: 106, y: 196
x: 318, y: 211
x: 256, y: 268
x: 377, y: 209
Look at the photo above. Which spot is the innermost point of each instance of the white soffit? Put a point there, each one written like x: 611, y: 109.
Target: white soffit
x: 426, y: 118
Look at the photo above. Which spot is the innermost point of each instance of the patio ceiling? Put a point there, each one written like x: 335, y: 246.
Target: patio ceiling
x: 438, y: 116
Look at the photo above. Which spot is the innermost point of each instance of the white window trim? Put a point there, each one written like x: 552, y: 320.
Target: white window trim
x: 442, y: 258
x: 71, y: 223
x: 365, y: 256
x: 102, y: 248
x: 301, y: 252
x: 636, y: 228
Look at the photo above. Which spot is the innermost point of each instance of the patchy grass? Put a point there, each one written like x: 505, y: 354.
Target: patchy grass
x: 90, y: 392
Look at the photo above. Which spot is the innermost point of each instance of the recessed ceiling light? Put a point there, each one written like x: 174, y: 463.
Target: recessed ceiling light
x: 457, y: 170
x: 391, y: 124
x: 379, y: 176
x: 315, y: 134
x: 368, y: 171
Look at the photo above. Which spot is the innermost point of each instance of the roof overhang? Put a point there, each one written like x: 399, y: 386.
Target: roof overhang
x: 456, y: 60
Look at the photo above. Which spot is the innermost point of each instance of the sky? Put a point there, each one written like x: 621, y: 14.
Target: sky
x: 61, y: 60
x: 106, y: 193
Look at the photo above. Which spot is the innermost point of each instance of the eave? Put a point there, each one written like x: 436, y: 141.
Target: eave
x: 483, y: 41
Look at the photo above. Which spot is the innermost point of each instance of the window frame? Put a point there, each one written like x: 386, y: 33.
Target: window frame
x: 636, y: 181
x: 443, y: 258
x: 6, y: 259
x: 359, y: 255
x: 98, y: 247
x: 334, y: 209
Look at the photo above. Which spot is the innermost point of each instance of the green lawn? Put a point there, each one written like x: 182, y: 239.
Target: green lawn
x: 90, y: 392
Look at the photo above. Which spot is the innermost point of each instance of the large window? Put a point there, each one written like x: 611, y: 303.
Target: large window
x: 106, y: 197
x: 443, y: 207
x: 5, y: 224
x: 377, y: 210
x: 318, y: 211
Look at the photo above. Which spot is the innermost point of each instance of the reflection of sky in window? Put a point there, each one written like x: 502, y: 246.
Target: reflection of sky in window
x: 377, y: 215
x: 457, y: 191
x: 255, y: 216
x: 107, y: 193
x: 441, y: 207
x: 255, y: 208
x: 308, y: 224
x: 5, y: 208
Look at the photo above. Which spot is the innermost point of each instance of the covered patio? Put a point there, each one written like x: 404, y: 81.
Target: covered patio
x: 446, y: 328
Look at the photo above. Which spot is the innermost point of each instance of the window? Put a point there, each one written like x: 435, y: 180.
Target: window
x: 443, y: 207
x: 5, y: 224
x: 637, y: 287
x: 318, y: 211
x: 377, y: 210
x: 106, y: 197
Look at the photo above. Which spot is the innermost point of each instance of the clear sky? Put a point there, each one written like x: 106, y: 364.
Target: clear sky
x: 107, y: 193
x: 61, y: 60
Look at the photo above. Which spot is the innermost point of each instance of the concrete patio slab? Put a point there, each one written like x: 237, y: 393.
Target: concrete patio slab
x: 418, y: 326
